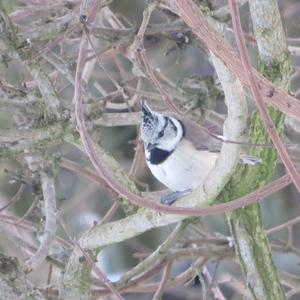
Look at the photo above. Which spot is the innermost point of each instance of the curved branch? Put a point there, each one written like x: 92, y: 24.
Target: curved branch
x: 237, y: 27
x: 246, y: 224
x: 191, y: 14
x: 144, y: 220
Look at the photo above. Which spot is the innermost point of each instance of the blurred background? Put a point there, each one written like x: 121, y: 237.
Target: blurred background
x: 50, y: 35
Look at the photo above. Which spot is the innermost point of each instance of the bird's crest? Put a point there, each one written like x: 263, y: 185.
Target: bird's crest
x: 149, y: 122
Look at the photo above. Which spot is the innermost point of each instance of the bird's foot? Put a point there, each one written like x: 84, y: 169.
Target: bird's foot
x: 170, y: 198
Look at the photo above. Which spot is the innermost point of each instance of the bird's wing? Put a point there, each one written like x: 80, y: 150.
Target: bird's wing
x: 200, y: 137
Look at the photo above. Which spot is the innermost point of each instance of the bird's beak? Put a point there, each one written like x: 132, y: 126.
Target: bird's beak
x: 150, y: 146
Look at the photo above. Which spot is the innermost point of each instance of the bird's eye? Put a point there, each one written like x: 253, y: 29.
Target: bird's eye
x: 160, y: 134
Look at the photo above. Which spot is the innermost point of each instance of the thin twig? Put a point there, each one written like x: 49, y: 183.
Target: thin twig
x: 107, y: 217
x: 107, y: 73
x: 90, y: 151
x: 160, y: 253
x: 140, y: 52
x: 163, y: 282
x: 284, y: 225
x: 51, y: 45
x: 95, y: 267
x: 171, y: 283
x: 28, y: 211
x: 15, y: 198
x: 90, y: 148
x: 101, y: 275
x: 251, y: 198
x: 87, y: 173
x: 215, y: 288
x: 192, y: 15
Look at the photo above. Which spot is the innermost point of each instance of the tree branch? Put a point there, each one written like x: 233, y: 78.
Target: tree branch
x: 191, y: 14
x: 48, y: 188
x: 246, y: 224
x: 145, y: 220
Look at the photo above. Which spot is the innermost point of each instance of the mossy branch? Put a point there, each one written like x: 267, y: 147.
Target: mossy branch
x: 144, y: 220
x: 246, y: 224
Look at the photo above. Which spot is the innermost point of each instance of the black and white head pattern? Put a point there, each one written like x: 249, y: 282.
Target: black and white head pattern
x: 160, y: 131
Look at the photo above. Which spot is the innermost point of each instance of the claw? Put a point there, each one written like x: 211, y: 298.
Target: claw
x: 170, y: 198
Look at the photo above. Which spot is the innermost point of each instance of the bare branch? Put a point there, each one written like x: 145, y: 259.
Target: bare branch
x: 258, y: 97
x: 48, y: 188
x: 194, y: 18
x: 163, y: 282
x: 143, y: 221
x: 160, y: 253
x: 15, y: 198
x: 13, y: 281
x: 17, y: 135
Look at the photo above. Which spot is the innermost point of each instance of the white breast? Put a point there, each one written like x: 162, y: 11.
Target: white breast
x: 185, y: 168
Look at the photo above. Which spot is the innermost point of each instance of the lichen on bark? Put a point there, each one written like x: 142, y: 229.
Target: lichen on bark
x: 246, y: 224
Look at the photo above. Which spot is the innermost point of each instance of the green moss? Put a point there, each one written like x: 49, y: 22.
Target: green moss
x: 85, y: 283
x: 249, y: 220
x: 262, y: 31
x: 9, y: 266
x: 275, y: 70
x: 245, y: 223
x: 85, y: 280
x: 7, y: 30
x: 7, y: 153
x: 248, y: 178
x: 141, y: 210
x: 206, y: 9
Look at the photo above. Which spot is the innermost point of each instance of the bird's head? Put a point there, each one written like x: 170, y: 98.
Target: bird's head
x: 159, y: 130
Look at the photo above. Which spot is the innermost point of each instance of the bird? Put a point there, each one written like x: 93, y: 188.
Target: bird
x: 177, y: 153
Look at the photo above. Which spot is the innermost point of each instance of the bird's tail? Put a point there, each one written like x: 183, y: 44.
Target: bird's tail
x: 250, y: 160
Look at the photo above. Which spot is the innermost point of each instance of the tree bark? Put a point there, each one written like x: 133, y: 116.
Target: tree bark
x: 246, y: 224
